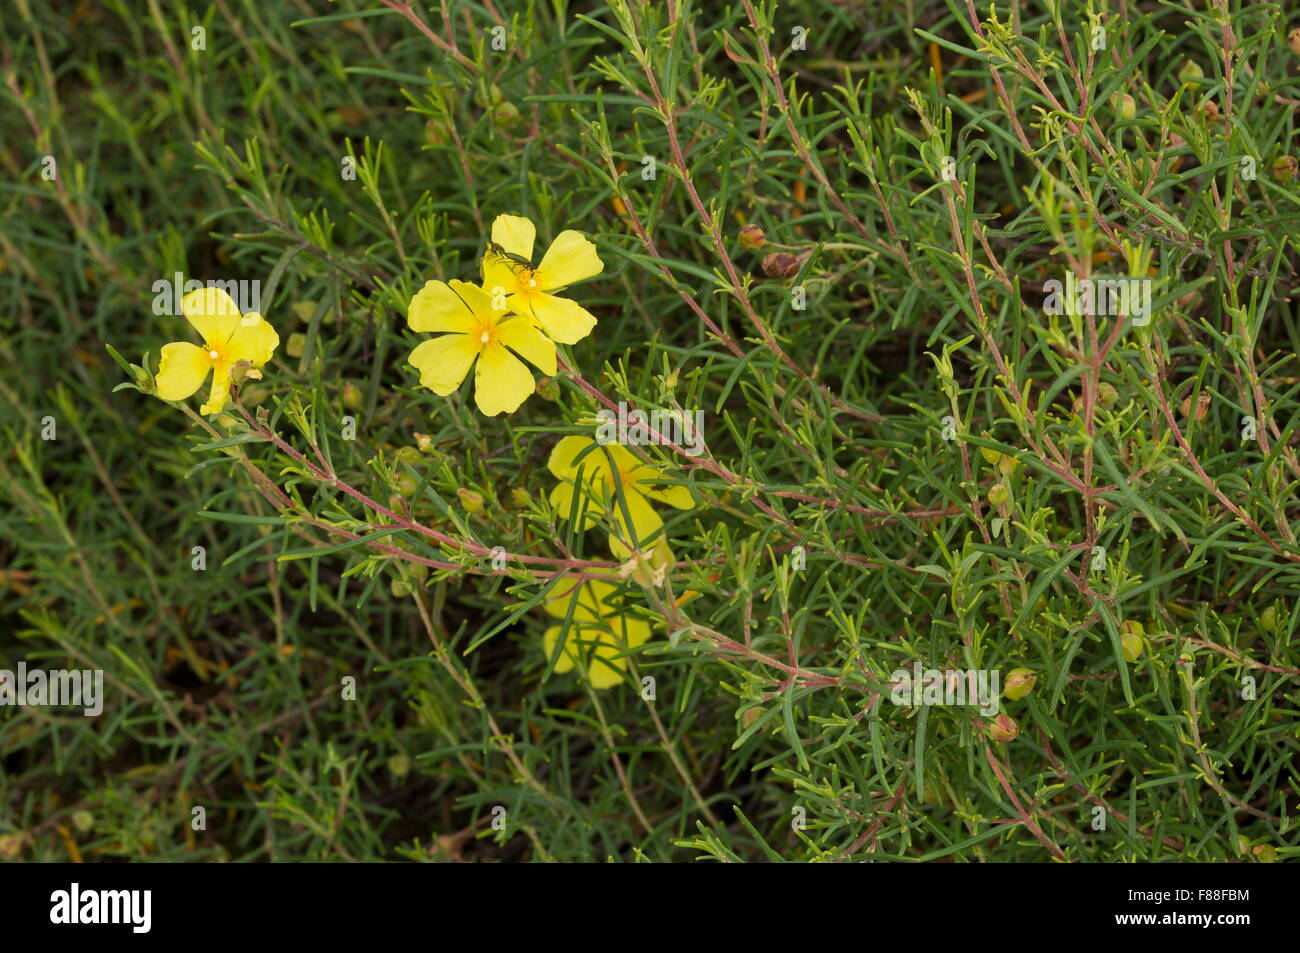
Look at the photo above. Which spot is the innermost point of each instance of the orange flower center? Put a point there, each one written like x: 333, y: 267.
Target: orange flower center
x: 485, y: 334
x: 526, y: 282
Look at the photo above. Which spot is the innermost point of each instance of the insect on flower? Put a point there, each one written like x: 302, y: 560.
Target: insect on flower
x: 515, y: 285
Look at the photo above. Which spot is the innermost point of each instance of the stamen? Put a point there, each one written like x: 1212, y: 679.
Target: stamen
x: 486, y: 337
x: 213, y: 354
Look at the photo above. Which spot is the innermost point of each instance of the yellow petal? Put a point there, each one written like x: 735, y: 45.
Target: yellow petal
x: 564, y: 321
x: 636, y: 632
x: 253, y: 341
x: 564, y: 453
x: 522, y: 337
x: 498, y: 277
x: 588, y: 608
x: 437, y: 307
x: 182, y: 370
x: 570, y: 259
x: 549, y: 638
x: 564, y: 499
x: 501, y: 382
x: 444, y: 361
x: 478, y: 301
x: 645, y: 523
x: 515, y: 234
x: 678, y: 496
x: 607, y: 666
x: 213, y: 313
x: 219, y: 393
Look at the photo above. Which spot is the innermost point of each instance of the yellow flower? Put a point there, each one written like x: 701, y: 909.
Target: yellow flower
x: 508, y: 272
x: 601, y: 467
x: 228, y: 338
x: 601, y: 635
x: 501, y: 381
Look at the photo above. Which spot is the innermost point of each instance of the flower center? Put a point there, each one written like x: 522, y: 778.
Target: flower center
x: 485, y: 337
x: 527, y: 282
x: 214, y: 354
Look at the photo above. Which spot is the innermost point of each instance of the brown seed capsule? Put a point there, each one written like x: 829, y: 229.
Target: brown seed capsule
x: 752, y: 238
x: 1293, y: 41
x: 1003, y: 729
x: 780, y: 265
x: 1202, y: 406
x: 548, y: 389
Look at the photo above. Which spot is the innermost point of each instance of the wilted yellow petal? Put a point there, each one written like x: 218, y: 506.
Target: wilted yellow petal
x: 216, y: 401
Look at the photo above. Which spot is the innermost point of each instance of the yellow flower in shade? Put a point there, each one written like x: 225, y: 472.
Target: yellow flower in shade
x: 601, y: 636
x: 508, y: 271
x: 602, y: 469
x: 228, y: 339
x: 501, y: 381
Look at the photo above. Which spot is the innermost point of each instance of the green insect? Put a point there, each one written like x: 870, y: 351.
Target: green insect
x: 515, y: 263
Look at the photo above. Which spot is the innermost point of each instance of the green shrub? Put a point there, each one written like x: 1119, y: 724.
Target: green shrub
x: 342, y: 613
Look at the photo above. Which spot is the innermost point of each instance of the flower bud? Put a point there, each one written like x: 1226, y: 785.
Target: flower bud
x: 1265, y: 853
x: 752, y: 238
x: 1293, y: 41
x: 1191, y: 73
x: 351, y: 396
x: 1127, y: 108
x: 505, y: 114
x: 423, y: 441
x: 649, y: 569
x: 296, y: 344
x: 471, y: 501
x: 1019, y: 683
x: 548, y: 389
x: 1107, y: 395
x: 779, y: 264
x: 400, y: 764
x: 1284, y: 168
x: 83, y: 820
x: 1003, y: 728
x: 997, y: 494
x: 1268, y: 618
x: 520, y: 497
